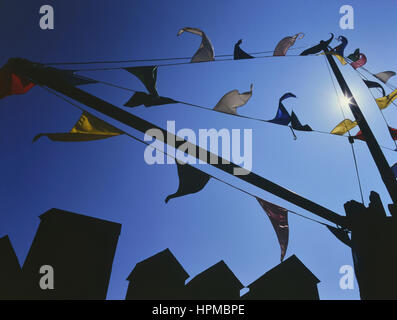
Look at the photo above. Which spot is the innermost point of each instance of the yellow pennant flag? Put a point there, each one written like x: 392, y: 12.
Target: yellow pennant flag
x: 87, y: 128
x: 385, y: 101
x: 343, y: 127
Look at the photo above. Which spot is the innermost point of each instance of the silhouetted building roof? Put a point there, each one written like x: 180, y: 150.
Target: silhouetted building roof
x: 10, y: 271
x: 80, y: 249
x: 158, y: 277
x: 290, y: 280
x: 216, y: 283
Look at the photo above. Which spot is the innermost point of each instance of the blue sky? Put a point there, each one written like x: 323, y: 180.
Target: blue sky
x: 109, y: 179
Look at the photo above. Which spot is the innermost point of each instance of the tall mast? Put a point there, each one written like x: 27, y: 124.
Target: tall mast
x: 384, y: 169
x: 53, y: 78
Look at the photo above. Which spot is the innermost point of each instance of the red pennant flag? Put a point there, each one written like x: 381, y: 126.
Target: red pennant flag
x: 360, y: 62
x: 11, y: 84
x: 359, y: 136
x: 393, y: 133
x: 279, y: 218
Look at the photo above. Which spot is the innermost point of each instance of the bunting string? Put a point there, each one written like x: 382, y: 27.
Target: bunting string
x: 174, y: 157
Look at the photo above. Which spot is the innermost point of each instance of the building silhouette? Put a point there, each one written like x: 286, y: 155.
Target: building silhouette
x: 80, y: 249
x: 10, y: 271
x: 158, y: 277
x: 216, y: 283
x: 290, y: 280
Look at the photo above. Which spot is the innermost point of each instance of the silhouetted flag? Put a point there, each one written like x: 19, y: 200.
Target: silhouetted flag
x: 206, y: 50
x: 354, y: 56
x: 87, y: 128
x: 239, y: 53
x: 341, y: 234
x: 279, y: 218
x: 385, y: 101
x: 147, y: 75
x: 394, y: 169
x: 385, y: 75
x: 343, y: 127
x: 147, y: 100
x: 295, y: 123
x: 233, y: 100
x: 10, y: 83
x: 360, y: 62
x: 191, y: 180
x: 319, y: 47
x: 282, y: 116
x: 373, y: 84
x: 339, y: 50
x: 285, y: 43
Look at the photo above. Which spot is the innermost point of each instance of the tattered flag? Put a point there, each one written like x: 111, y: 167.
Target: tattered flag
x: 282, y: 116
x: 373, y: 84
x: 206, y: 50
x: 147, y: 100
x: 285, y: 43
x: 296, y: 124
x: 87, y: 128
x: 279, y: 218
x: 233, y: 100
x: 323, y: 45
x: 343, y: 127
x: 239, y: 54
x: 147, y: 75
x: 385, y: 101
x: 385, y: 75
x: 10, y: 83
x: 191, y: 180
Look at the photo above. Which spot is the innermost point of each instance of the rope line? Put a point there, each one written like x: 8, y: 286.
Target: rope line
x: 348, y: 132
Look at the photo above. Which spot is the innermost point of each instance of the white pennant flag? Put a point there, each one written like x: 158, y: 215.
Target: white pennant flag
x: 385, y: 76
x: 206, y: 50
x: 232, y: 100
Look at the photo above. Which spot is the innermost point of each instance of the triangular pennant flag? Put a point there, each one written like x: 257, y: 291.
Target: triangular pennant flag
x: 279, y: 218
x: 191, y: 180
x: 360, y: 62
x: 233, y: 100
x: 394, y: 169
x: 282, y: 116
x: 341, y: 234
x: 385, y: 101
x: 239, y: 53
x: 285, y: 43
x: 359, y: 136
x: 354, y: 56
x: 147, y: 75
x: 385, y: 75
x: 75, y: 79
x: 296, y: 124
x: 147, y: 100
x: 10, y: 83
x: 323, y: 45
x: 343, y: 127
x: 87, y: 128
x: 373, y: 84
x: 393, y: 133
x: 206, y: 50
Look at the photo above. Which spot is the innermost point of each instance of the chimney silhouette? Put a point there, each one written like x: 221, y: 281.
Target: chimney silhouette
x: 216, y: 283
x: 158, y: 277
x: 10, y: 271
x: 290, y: 280
x: 79, y: 249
